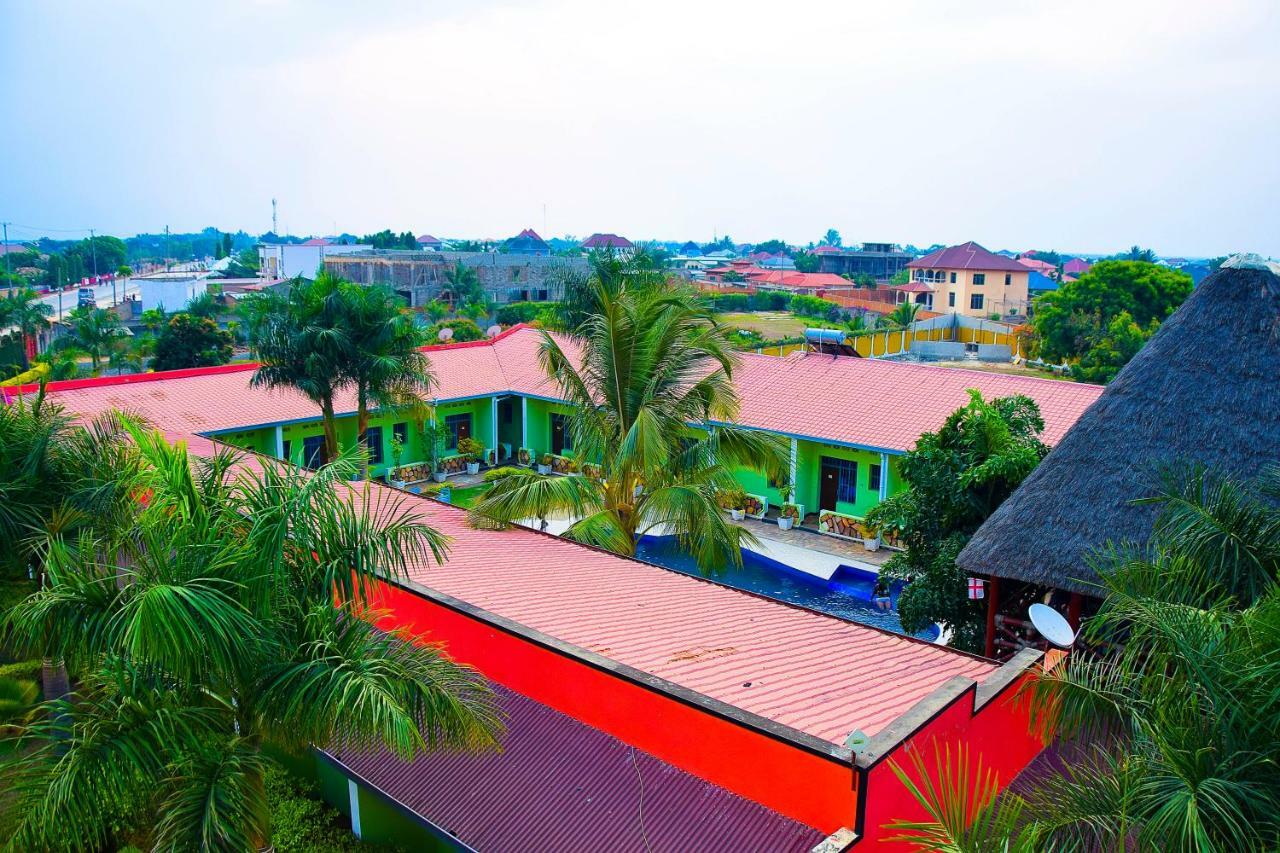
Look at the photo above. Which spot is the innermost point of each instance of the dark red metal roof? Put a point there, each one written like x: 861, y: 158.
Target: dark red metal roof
x: 561, y: 785
x: 966, y: 256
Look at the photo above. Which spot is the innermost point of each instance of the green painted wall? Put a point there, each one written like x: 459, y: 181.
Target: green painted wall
x: 381, y: 821
x: 539, y: 429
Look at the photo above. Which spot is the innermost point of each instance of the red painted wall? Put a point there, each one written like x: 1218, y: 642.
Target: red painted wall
x: 999, y: 735
x: 814, y: 790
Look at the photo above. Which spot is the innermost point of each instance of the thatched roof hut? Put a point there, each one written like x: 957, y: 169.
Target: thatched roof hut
x: 1205, y: 388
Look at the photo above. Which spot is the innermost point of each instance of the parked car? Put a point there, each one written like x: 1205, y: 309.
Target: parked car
x: 86, y: 297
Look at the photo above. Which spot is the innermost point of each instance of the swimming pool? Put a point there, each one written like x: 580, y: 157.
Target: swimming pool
x: 847, y: 594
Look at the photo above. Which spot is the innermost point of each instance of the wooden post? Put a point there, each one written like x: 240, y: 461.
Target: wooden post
x: 993, y: 594
x: 1073, y: 611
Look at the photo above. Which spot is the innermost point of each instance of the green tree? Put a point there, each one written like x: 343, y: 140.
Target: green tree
x: 772, y: 247
x: 152, y: 319
x: 24, y: 311
x: 436, y: 310
x: 832, y: 237
x: 476, y: 311
x: 902, y: 276
x: 190, y: 341
x: 101, y: 253
x: 807, y: 262
x: 956, y: 478
x: 903, y: 314
x: 94, y: 332
x: 648, y: 364
x: 300, y: 339
x: 1112, y: 350
x: 1172, y: 737
x: 462, y: 284
x: 463, y: 330
x: 866, y: 280
x: 384, y: 363
x: 207, y: 628
x: 1069, y: 320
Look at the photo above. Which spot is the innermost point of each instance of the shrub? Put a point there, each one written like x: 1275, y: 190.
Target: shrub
x: 731, y: 498
x: 471, y: 449
x: 463, y: 330
x: 731, y: 302
x: 499, y: 473
x: 303, y: 823
x: 812, y: 306
x: 519, y: 312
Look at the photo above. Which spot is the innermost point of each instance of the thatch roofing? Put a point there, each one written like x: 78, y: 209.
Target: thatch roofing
x: 1205, y: 388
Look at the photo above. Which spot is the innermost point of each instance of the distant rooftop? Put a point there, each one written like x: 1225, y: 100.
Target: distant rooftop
x: 966, y: 256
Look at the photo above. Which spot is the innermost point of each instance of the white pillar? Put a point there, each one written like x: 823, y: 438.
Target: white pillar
x: 353, y: 791
x: 280, y: 442
x: 524, y: 421
x: 493, y: 413
x: 795, y: 449
x: 884, y: 475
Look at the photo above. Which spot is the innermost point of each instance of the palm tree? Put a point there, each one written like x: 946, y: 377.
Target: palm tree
x: 1169, y: 738
x: 463, y: 285
x: 652, y: 392
x: 385, y: 365
x: 301, y: 342
x: 208, y: 629
x: 152, y: 319
x: 904, y: 314
x: 26, y: 312
x: 93, y: 331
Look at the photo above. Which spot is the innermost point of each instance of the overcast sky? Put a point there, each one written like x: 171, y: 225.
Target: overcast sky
x: 1086, y: 125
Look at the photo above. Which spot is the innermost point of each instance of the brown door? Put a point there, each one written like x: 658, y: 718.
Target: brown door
x: 829, y: 488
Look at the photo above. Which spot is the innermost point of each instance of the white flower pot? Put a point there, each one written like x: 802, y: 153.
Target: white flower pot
x: 737, y: 514
x: 439, y: 476
x: 871, y: 544
x: 544, y: 469
x: 473, y: 467
x: 397, y: 484
x: 785, y: 522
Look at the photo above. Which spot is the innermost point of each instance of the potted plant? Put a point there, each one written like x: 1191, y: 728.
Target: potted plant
x: 524, y: 457
x: 440, y: 437
x: 397, y: 456
x: 471, y: 450
x: 870, y: 537
x: 544, y: 464
x: 734, y: 500
x: 788, y: 514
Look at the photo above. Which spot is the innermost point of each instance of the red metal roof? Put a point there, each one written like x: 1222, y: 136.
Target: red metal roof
x: 966, y: 256
x: 559, y: 784
x: 607, y: 241
x: 1077, y: 266
x: 316, y: 241
x: 427, y: 239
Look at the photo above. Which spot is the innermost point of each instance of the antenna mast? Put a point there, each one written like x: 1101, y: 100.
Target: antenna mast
x: 273, y: 218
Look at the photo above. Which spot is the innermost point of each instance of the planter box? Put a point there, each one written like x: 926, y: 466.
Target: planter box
x: 524, y: 456
x: 843, y: 526
x: 544, y: 469
x: 564, y: 465
x: 473, y: 467
x: 756, y: 506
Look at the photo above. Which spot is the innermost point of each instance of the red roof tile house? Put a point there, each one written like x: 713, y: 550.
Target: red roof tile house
x: 967, y: 279
x: 1076, y: 267
x: 609, y: 243
x: 726, y: 715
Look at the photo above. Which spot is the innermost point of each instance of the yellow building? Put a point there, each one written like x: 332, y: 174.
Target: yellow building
x: 967, y: 279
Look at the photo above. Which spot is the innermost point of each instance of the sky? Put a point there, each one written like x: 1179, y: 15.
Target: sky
x: 1085, y: 126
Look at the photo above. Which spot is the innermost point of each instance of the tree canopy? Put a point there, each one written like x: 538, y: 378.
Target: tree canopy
x: 190, y: 341
x: 956, y: 478
x: 1071, y: 320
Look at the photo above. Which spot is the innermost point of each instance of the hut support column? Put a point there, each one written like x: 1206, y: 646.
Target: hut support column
x: 1073, y: 611
x: 993, y: 595
x: 795, y: 450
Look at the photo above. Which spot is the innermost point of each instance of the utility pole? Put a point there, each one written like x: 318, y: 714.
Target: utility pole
x: 6, y: 253
x: 166, y: 247
x: 93, y: 250
x: 273, y: 219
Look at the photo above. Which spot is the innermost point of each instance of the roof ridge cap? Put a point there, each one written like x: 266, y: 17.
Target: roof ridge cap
x: 1251, y: 261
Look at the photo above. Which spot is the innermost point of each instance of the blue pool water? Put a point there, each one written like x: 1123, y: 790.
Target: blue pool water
x: 847, y: 594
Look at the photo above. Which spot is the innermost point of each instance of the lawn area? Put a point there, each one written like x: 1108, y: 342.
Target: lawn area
x: 467, y: 496
x: 772, y: 324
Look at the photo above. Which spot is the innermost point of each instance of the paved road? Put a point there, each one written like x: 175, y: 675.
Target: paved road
x: 101, y: 292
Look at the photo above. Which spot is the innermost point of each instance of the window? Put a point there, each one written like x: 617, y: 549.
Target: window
x: 373, y: 441
x: 459, y: 427
x: 953, y: 278
x: 979, y: 278
x: 975, y: 302
x: 287, y: 448
x: 1008, y: 279
x: 951, y: 299
x: 543, y: 296
x: 873, y: 477
x: 401, y: 433
x: 313, y: 451
x: 847, y: 482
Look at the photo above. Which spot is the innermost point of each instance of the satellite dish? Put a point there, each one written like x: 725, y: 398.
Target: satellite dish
x: 493, y: 331
x: 445, y: 334
x: 1052, y: 625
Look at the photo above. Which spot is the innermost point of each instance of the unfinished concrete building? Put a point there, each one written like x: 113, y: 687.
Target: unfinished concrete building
x: 420, y: 276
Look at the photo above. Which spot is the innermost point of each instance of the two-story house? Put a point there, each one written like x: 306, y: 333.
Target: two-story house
x: 967, y: 279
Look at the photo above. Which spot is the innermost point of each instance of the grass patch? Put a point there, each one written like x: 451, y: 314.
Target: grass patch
x: 773, y: 325
x: 468, y: 496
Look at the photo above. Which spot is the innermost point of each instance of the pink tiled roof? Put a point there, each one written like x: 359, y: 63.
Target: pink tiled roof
x: 882, y: 404
x: 966, y: 256
x: 317, y: 241
x: 870, y: 403
x: 805, y: 280
x: 826, y: 250
x: 427, y: 238
x: 1039, y: 266
x: 1076, y: 265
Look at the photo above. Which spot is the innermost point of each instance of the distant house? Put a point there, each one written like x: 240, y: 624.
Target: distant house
x: 825, y: 250
x: 778, y: 262
x: 608, y: 242
x: 881, y: 261
x: 968, y: 279
x: 1043, y: 267
x: 1076, y: 266
x: 430, y: 244
x: 317, y: 241
x: 691, y: 249
x: 527, y: 242
x: 1038, y: 283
